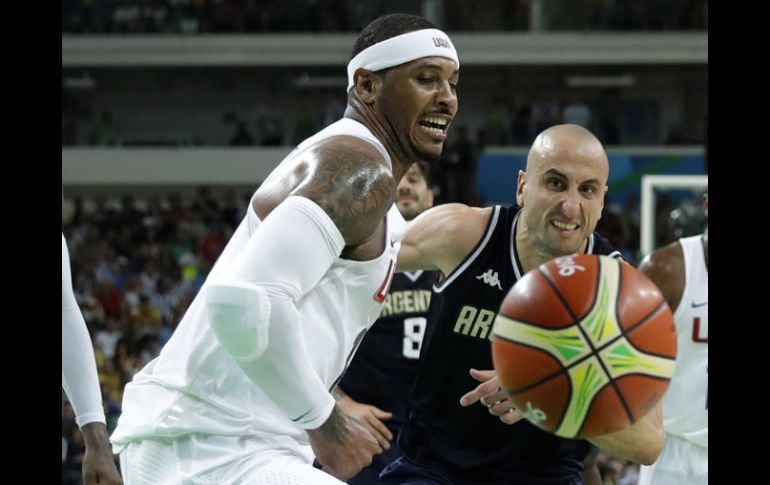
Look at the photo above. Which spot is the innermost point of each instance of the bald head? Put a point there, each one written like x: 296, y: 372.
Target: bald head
x: 566, y: 144
x: 561, y: 194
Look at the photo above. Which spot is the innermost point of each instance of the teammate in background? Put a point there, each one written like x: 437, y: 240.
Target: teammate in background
x: 81, y: 384
x: 241, y: 392
x: 681, y: 272
x: 377, y: 383
x: 481, y: 253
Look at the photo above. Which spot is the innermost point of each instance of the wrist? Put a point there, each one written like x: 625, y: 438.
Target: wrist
x: 339, y: 394
x: 344, y: 400
x: 95, y: 434
x: 334, y: 428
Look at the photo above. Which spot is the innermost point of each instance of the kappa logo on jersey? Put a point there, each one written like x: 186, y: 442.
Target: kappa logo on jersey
x: 567, y: 266
x: 490, y: 278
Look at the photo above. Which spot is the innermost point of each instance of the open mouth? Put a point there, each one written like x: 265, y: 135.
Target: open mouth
x: 434, y: 125
x: 565, y: 226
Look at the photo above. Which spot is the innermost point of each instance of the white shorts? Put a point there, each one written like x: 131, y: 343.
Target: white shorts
x: 681, y: 462
x: 198, y: 459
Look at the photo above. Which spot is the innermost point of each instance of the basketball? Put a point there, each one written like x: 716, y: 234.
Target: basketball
x: 584, y: 345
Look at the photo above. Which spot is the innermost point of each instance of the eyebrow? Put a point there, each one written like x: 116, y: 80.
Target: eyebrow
x: 553, y: 171
x: 431, y: 65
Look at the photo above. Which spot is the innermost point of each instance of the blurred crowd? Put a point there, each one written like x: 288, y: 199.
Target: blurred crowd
x: 506, y: 122
x: 221, y: 16
x: 135, y: 270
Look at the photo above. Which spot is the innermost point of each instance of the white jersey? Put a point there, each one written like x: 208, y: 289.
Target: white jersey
x: 685, y: 405
x: 194, y: 386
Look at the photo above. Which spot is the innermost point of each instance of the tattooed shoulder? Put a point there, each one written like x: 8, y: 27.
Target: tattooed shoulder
x: 353, y: 183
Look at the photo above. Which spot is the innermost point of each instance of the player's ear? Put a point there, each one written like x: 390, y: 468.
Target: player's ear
x: 604, y: 199
x: 520, y: 188
x: 367, y: 85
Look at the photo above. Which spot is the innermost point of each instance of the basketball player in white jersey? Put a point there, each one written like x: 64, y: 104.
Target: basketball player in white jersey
x: 81, y: 383
x: 681, y: 272
x: 241, y: 392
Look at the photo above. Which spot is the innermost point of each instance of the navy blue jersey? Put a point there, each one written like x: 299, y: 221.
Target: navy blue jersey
x: 469, y: 444
x: 385, y: 363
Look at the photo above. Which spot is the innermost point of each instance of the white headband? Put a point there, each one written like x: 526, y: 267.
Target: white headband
x: 402, y: 49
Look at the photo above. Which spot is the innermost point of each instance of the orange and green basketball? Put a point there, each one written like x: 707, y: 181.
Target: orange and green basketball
x: 584, y: 345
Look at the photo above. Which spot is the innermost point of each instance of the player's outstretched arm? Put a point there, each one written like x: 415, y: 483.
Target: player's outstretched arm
x: 441, y: 237
x: 641, y: 442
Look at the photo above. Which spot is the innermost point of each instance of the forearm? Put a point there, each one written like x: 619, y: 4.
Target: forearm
x: 78, y: 366
x: 347, y: 404
x: 284, y: 371
x: 641, y: 442
x: 78, y: 369
x: 253, y: 312
x: 340, y: 395
x: 335, y: 427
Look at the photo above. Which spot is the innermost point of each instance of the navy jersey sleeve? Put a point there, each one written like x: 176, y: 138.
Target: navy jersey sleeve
x: 600, y: 245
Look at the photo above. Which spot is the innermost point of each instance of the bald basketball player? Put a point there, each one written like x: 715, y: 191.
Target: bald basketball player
x: 481, y: 253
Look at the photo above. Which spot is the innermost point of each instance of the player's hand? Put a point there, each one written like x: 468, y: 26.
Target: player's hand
x: 492, y: 396
x: 370, y: 417
x: 98, y: 463
x: 342, y: 445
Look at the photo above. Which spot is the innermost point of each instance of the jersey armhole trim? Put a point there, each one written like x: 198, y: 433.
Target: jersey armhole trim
x: 491, y: 224
x: 690, y: 254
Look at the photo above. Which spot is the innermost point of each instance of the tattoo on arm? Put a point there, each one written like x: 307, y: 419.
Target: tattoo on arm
x: 336, y: 426
x: 353, y: 186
